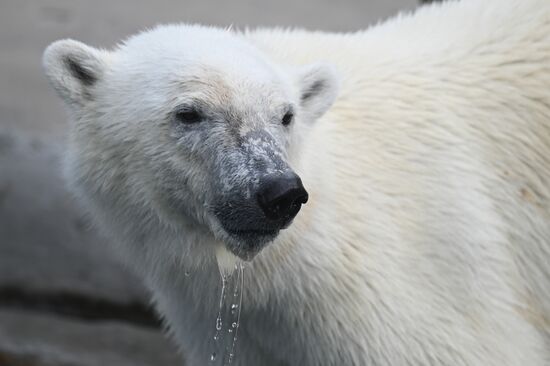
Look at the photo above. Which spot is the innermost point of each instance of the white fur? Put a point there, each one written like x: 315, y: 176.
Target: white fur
x: 426, y: 239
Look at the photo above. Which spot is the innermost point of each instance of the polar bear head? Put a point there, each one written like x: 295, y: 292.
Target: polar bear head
x: 191, y: 126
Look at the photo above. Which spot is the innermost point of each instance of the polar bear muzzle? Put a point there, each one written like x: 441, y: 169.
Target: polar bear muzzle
x: 254, y: 222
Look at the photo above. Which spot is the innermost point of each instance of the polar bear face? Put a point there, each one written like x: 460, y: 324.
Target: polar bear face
x: 192, y: 125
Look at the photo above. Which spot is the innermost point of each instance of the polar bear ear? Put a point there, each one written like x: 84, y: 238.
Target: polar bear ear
x: 319, y: 86
x: 73, y: 69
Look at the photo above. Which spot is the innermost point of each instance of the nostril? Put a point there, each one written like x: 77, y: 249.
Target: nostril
x: 292, y: 198
x: 281, y: 196
x: 295, y: 198
x: 302, y: 197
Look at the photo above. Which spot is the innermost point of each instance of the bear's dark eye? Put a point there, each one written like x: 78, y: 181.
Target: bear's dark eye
x: 188, y: 116
x: 287, y: 118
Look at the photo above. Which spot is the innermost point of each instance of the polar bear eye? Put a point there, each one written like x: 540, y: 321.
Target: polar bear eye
x: 287, y: 118
x: 188, y: 116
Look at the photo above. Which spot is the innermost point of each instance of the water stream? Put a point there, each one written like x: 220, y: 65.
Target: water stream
x: 228, y: 318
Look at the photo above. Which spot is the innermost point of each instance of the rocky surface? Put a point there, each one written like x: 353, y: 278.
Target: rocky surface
x: 46, y: 242
x: 64, y: 300
x: 31, y: 339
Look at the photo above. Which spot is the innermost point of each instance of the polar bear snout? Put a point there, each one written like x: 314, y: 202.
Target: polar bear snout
x: 252, y: 222
x: 280, y: 196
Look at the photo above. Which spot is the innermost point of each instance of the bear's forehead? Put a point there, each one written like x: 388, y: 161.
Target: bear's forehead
x: 191, y: 50
x: 205, y: 63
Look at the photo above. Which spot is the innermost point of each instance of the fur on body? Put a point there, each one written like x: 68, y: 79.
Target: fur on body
x: 424, y: 144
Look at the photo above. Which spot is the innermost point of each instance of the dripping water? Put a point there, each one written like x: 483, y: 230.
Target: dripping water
x: 236, y: 308
x: 229, y: 316
x: 219, y: 322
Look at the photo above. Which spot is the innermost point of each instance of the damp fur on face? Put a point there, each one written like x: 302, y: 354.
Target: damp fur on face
x: 226, y: 260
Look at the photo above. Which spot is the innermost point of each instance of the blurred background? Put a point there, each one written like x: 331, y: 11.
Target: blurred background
x: 63, y: 299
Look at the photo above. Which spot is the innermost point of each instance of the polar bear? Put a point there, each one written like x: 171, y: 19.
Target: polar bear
x: 388, y: 189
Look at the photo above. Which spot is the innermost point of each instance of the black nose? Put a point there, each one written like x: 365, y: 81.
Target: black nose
x: 281, y: 195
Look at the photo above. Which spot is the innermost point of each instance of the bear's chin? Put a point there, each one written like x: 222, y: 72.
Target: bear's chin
x: 244, y: 245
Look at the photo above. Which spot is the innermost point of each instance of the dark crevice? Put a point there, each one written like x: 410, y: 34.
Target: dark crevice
x: 16, y: 359
x: 78, y: 306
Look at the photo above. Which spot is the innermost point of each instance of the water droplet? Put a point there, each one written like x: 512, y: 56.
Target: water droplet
x: 187, y: 273
x: 236, y: 290
x: 236, y: 309
x: 219, y: 323
x: 230, y: 330
x: 213, y: 356
x: 216, y: 337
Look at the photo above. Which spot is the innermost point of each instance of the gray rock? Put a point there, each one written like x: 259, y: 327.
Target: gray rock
x: 31, y: 339
x: 45, y: 242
